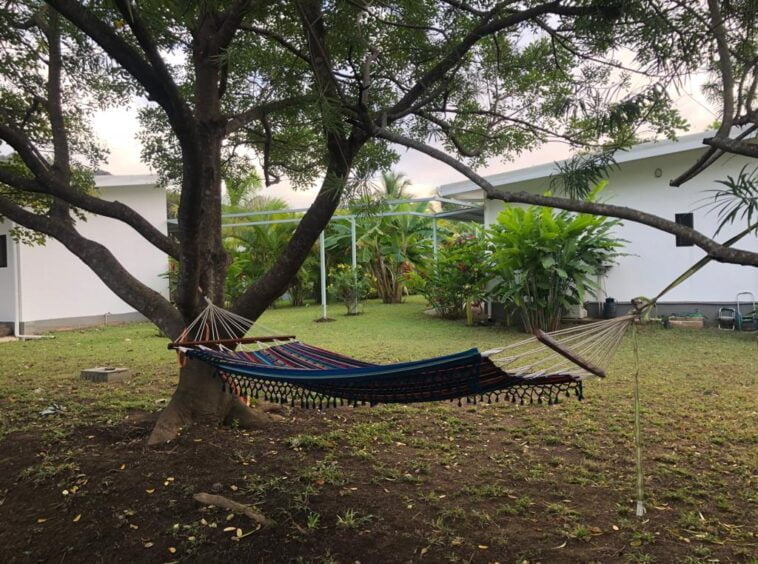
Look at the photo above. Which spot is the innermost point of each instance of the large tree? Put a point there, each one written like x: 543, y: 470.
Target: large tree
x: 315, y: 90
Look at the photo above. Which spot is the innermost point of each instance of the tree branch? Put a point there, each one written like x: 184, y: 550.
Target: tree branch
x: 733, y: 146
x: 713, y: 154
x: 92, y: 204
x: 102, y: 262
x: 162, y: 91
x: 238, y: 121
x: 714, y: 249
x: 486, y: 27
x: 232, y: 18
x: 268, y: 287
x: 280, y: 39
x: 46, y: 182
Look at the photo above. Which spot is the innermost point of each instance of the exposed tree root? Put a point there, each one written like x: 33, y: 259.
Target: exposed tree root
x: 231, y: 505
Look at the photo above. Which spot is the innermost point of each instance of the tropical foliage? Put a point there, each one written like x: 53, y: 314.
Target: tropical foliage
x: 253, y: 249
x: 349, y: 285
x: 737, y: 201
x: 390, y: 246
x: 459, y: 276
x: 547, y: 261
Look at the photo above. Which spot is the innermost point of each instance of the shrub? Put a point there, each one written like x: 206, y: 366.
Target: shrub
x: 458, y: 278
x: 349, y: 285
x: 546, y: 261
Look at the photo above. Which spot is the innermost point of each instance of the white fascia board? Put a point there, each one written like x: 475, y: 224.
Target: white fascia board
x: 125, y: 180
x: 636, y: 153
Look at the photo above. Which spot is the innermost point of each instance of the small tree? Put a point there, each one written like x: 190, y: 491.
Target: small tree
x: 349, y: 285
x: 547, y: 261
x: 458, y: 278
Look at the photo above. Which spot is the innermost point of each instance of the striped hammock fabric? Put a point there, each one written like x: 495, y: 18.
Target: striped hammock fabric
x: 298, y: 374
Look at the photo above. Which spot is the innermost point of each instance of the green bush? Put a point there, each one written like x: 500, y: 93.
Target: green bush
x: 547, y: 261
x: 349, y: 285
x: 458, y: 278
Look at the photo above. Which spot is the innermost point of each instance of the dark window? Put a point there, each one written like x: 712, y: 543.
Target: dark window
x: 687, y: 220
x: 3, y: 251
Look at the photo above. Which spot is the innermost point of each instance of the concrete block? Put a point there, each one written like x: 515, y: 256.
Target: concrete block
x: 686, y: 322
x: 106, y: 374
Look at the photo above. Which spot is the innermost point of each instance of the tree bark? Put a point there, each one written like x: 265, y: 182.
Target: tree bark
x: 199, y: 398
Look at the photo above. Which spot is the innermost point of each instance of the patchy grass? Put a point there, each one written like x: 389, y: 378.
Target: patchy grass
x: 393, y: 483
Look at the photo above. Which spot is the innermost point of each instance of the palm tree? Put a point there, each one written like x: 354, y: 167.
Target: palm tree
x: 394, y: 186
x: 390, y: 245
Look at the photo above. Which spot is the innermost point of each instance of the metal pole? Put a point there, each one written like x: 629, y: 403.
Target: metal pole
x: 16, y: 288
x: 322, y: 253
x: 434, y: 237
x: 352, y: 241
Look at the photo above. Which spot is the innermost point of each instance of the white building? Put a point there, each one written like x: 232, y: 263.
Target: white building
x: 642, y: 181
x: 47, y: 287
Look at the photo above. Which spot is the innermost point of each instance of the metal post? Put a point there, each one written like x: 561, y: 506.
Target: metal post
x: 16, y: 288
x: 322, y: 253
x: 434, y: 237
x: 353, y: 243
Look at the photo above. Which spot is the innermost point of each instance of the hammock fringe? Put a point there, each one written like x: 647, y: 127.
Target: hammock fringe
x: 284, y: 393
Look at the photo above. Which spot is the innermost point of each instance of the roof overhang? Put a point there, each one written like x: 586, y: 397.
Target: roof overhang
x: 125, y: 180
x: 639, y: 152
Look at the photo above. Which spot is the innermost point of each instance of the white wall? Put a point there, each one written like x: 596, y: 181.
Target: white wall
x: 7, y: 275
x: 655, y: 259
x: 56, y: 284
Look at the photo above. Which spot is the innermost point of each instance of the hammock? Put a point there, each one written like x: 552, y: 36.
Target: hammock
x: 282, y: 369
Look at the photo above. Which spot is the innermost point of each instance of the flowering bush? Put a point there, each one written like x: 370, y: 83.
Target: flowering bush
x: 459, y: 277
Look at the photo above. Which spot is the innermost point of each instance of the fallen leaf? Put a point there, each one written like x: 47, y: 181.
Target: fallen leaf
x: 483, y: 546
x: 151, y: 490
x: 41, y: 520
x: 562, y: 546
x: 76, y: 519
x: 230, y: 517
x: 148, y: 544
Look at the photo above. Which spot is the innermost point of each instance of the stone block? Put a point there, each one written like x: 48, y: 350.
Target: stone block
x: 106, y: 374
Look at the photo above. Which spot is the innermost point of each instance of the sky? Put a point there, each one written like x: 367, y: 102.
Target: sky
x: 117, y: 130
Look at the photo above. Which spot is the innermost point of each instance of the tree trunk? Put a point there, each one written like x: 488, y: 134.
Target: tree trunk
x: 199, y: 398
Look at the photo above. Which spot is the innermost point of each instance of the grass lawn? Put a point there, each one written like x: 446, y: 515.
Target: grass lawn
x: 430, y: 483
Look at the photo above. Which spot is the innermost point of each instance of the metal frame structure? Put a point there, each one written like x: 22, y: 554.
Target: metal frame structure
x: 464, y: 207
